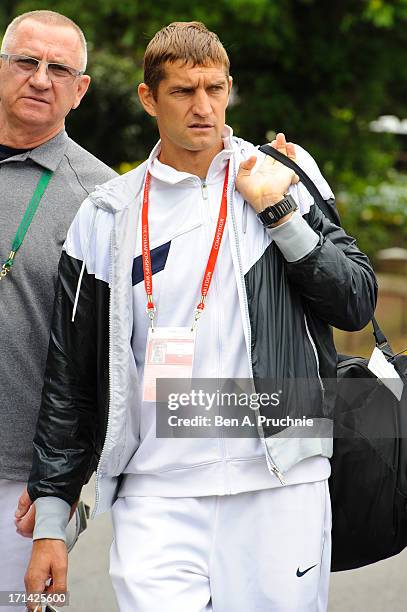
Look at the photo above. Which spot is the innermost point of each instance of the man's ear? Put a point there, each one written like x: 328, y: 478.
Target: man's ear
x: 230, y: 83
x: 81, y: 89
x: 147, y: 99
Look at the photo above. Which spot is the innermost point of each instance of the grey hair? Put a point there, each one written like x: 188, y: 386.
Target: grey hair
x: 50, y: 17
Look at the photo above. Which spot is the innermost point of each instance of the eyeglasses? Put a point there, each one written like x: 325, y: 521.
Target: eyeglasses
x: 29, y: 66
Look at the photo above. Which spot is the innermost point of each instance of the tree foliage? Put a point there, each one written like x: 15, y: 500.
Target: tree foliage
x: 319, y: 71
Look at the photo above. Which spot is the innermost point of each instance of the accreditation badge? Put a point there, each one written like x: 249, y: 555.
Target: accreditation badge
x: 169, y: 354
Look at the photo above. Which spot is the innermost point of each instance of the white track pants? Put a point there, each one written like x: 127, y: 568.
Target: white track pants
x: 260, y: 551
x: 15, y: 550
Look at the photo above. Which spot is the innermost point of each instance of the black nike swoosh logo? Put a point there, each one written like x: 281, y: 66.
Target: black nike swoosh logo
x: 300, y: 574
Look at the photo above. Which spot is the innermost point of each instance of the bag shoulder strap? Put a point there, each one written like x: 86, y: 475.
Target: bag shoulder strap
x: 329, y: 209
x: 331, y: 212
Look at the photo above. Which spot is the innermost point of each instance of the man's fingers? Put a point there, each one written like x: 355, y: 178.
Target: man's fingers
x: 24, y: 504
x: 292, y: 155
x: 287, y: 148
x: 281, y: 144
x: 247, y: 166
x: 291, y: 150
x: 25, y: 525
x: 58, y: 581
x: 35, y: 582
x: 59, y: 574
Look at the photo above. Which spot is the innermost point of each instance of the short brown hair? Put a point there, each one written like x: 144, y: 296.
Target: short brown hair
x: 188, y: 41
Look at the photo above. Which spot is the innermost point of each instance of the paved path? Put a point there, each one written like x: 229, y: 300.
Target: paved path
x: 379, y: 588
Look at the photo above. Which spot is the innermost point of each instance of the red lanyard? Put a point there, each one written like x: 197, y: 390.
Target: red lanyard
x: 213, y: 256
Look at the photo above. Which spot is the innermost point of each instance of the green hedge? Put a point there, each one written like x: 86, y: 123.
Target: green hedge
x: 376, y: 213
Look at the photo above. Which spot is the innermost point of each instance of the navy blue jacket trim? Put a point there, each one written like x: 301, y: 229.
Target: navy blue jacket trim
x: 158, y: 260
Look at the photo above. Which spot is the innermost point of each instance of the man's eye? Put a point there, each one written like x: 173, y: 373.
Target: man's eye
x: 182, y: 91
x: 59, y: 70
x: 26, y: 63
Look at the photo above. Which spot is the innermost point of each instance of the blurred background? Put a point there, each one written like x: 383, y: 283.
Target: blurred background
x: 332, y: 77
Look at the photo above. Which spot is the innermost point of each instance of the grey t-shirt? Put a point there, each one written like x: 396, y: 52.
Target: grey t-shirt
x: 27, y: 293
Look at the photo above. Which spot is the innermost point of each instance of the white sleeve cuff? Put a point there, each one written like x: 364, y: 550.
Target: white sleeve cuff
x: 295, y: 238
x: 51, y: 518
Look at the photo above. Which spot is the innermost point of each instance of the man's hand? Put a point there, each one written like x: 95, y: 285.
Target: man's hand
x: 49, y: 559
x: 271, y: 181
x: 25, y: 515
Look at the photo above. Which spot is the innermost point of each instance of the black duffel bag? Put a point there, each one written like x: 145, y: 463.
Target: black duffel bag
x: 368, y: 483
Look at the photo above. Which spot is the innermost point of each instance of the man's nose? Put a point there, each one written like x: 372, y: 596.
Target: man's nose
x: 40, y: 79
x: 201, y: 104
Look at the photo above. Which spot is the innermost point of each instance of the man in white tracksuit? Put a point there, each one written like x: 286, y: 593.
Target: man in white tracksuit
x: 222, y: 524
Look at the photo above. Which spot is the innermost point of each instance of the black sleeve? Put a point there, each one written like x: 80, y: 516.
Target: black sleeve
x: 67, y: 439
x: 336, y: 279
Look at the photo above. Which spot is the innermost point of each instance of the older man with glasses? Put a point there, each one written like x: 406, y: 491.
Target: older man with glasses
x: 44, y: 176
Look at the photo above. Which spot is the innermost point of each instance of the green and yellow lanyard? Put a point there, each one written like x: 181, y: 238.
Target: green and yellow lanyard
x: 26, y: 221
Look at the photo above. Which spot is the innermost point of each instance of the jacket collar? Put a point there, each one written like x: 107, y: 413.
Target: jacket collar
x: 119, y: 193
x: 171, y: 176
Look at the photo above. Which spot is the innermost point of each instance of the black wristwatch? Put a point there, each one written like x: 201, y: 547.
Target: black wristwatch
x: 275, y: 212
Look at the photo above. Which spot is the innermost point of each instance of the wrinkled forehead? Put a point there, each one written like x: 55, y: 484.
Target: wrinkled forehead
x: 59, y: 43
x: 188, y: 71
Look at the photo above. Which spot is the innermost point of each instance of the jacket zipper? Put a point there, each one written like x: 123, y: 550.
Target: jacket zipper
x: 270, y: 463
x: 204, y: 188
x: 103, y: 453
x: 314, y: 348
x: 244, y: 217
